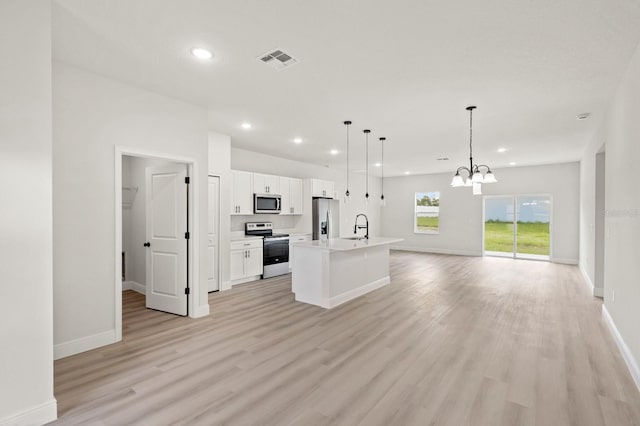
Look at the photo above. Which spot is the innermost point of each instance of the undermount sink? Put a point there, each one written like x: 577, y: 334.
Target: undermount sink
x: 354, y: 238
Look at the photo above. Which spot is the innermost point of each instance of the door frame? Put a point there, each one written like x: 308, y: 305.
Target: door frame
x: 515, y: 229
x: 192, y: 217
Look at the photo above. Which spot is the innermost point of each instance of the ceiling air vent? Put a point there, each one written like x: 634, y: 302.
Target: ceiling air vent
x: 278, y: 59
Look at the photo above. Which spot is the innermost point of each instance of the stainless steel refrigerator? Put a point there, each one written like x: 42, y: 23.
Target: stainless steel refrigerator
x: 326, y: 218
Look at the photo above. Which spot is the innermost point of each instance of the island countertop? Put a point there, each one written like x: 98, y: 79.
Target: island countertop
x: 344, y: 244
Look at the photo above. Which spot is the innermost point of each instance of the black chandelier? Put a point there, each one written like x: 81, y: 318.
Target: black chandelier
x: 475, y: 177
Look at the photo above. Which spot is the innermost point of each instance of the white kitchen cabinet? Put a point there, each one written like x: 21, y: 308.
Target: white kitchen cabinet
x: 292, y: 198
x: 253, y: 262
x: 241, y: 193
x: 246, y: 260
x: 296, y: 239
x: 266, y: 184
x: 322, y: 188
x: 237, y: 264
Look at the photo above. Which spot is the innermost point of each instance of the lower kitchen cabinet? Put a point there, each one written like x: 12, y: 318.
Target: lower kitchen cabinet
x: 296, y: 239
x: 246, y: 261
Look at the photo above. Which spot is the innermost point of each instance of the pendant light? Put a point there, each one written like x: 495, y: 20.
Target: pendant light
x: 366, y: 136
x: 475, y: 178
x: 347, y: 195
x: 382, y: 201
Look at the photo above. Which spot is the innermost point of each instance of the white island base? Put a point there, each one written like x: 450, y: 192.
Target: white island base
x: 331, y: 272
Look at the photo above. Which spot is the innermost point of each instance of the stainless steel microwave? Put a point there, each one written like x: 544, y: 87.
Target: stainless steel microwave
x: 266, y: 203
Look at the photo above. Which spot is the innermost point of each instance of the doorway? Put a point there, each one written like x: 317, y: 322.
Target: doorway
x: 175, y: 267
x: 518, y: 226
x: 155, y: 229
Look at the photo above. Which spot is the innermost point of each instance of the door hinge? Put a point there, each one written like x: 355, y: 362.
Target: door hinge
x: 186, y: 180
x: 187, y: 235
x: 187, y: 290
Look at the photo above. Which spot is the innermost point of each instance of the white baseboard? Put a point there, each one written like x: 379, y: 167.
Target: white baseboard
x: 226, y: 285
x: 624, y: 349
x: 437, y: 251
x: 201, y: 311
x: 62, y: 350
x: 38, y: 415
x: 357, y: 292
x: 587, y: 279
x: 565, y: 261
x: 597, y: 292
x: 132, y: 285
x: 245, y: 280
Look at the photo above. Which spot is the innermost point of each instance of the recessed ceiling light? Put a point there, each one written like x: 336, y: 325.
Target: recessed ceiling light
x: 201, y: 53
x: 502, y: 150
x: 513, y: 163
x: 246, y: 126
x: 583, y: 116
x: 407, y: 173
x: 297, y: 140
x: 378, y: 164
x: 334, y: 152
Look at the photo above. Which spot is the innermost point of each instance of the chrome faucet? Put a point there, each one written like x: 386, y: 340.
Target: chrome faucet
x: 365, y: 226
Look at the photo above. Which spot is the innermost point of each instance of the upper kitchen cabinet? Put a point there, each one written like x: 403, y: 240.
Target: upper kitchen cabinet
x: 266, y: 184
x: 322, y: 188
x: 291, y: 192
x: 241, y: 192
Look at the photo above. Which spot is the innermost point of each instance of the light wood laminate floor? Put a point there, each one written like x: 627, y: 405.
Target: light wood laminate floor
x: 451, y: 341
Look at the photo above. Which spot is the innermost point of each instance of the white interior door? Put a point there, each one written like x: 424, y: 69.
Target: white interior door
x: 166, y: 202
x: 213, y: 283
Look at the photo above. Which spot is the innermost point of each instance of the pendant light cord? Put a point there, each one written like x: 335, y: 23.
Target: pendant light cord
x: 366, y: 133
x: 382, y: 168
x: 471, y: 108
x: 367, y: 156
x: 347, y: 124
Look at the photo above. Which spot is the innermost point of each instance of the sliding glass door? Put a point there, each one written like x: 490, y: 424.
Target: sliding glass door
x: 518, y: 226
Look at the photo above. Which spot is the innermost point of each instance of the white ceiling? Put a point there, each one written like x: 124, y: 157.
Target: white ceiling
x: 405, y: 69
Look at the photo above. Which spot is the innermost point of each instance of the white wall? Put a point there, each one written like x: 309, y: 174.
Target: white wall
x: 134, y: 221
x: 461, y: 212
x: 619, y: 132
x: 91, y: 115
x: 26, y: 335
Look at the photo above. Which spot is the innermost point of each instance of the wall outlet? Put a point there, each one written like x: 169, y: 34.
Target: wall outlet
x: 613, y: 295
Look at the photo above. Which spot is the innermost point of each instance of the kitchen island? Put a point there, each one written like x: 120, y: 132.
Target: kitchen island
x: 330, y: 272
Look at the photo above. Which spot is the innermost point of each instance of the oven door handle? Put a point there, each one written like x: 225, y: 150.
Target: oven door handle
x: 268, y: 240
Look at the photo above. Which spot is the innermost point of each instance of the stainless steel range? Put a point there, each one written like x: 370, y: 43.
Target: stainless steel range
x: 275, y: 250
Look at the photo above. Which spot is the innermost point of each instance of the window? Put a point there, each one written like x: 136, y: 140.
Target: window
x: 427, y: 213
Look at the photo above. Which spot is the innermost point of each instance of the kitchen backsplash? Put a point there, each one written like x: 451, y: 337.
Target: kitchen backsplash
x: 279, y: 222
